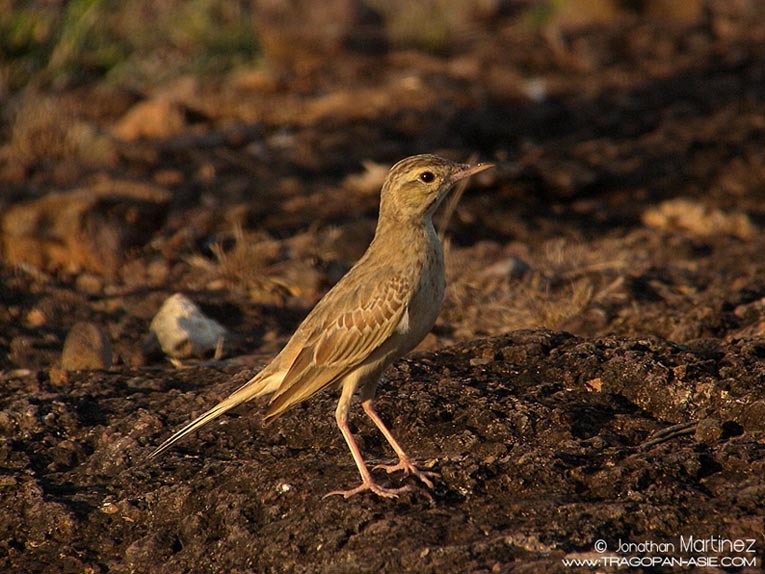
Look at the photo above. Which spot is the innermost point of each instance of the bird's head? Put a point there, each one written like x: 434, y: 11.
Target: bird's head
x: 415, y: 186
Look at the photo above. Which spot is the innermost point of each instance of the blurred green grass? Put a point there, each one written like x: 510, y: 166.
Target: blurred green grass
x: 60, y: 44
x: 139, y: 43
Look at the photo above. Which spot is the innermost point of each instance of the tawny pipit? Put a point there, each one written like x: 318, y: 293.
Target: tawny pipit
x: 375, y: 314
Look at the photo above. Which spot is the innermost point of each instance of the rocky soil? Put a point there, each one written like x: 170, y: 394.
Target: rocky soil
x: 596, y: 377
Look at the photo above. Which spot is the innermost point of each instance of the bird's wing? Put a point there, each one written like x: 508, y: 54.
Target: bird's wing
x: 344, y: 333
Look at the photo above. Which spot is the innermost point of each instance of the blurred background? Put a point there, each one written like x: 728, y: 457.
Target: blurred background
x: 143, y: 44
x: 235, y: 150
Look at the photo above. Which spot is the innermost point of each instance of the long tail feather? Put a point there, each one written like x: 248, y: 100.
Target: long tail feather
x: 254, y: 388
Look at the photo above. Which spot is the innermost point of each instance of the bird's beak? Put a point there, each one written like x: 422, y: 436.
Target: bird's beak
x: 468, y: 170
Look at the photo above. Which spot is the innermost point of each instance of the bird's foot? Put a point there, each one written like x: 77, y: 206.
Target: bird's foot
x: 408, y: 467
x: 372, y: 487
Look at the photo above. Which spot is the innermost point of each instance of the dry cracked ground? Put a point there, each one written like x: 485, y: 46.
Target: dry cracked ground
x: 597, y: 374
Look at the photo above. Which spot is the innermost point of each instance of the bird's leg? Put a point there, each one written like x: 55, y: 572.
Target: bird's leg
x: 404, y: 462
x: 341, y: 416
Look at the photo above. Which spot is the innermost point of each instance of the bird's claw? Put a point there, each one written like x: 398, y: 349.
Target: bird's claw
x: 372, y: 487
x: 409, y: 468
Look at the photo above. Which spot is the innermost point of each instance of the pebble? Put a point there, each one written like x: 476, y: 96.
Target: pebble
x: 183, y: 331
x: 511, y: 267
x: 87, y: 346
x: 708, y: 431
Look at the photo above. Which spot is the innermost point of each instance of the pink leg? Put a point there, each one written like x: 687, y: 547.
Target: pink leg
x: 404, y: 462
x: 341, y: 416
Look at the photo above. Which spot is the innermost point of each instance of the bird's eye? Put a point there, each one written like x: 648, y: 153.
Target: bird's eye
x: 427, y: 177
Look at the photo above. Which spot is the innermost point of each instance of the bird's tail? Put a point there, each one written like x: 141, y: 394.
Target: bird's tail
x: 255, y: 387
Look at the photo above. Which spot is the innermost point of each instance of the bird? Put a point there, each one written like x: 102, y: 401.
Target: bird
x: 375, y: 314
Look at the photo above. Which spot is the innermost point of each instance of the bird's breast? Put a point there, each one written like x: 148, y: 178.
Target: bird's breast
x: 427, y: 296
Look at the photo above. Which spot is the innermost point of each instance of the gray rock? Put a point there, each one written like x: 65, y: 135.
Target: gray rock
x: 183, y: 331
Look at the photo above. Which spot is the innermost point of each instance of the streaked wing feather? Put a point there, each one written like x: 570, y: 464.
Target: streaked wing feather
x: 339, y: 344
